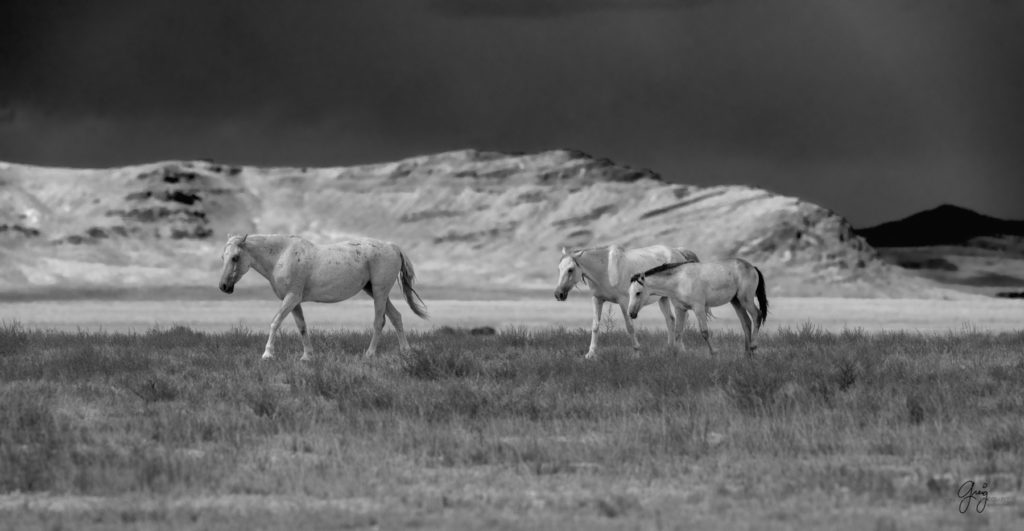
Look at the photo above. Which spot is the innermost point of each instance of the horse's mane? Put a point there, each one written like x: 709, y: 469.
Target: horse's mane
x: 236, y: 239
x: 656, y: 270
x: 578, y: 252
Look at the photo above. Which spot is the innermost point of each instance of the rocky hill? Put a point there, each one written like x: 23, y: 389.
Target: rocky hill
x: 468, y: 218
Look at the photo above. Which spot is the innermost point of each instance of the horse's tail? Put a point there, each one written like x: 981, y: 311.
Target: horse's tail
x: 408, y: 276
x: 762, y: 298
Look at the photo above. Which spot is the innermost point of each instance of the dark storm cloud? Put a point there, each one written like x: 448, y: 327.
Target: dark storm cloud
x: 197, y: 58
x: 550, y: 8
x: 831, y: 100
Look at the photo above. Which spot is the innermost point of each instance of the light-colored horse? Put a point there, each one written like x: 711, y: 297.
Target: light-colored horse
x: 301, y: 271
x: 606, y: 271
x: 701, y: 286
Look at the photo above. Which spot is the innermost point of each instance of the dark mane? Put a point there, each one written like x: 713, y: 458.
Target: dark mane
x: 655, y: 270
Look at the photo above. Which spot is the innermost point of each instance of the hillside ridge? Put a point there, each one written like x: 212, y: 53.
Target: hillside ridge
x: 468, y: 218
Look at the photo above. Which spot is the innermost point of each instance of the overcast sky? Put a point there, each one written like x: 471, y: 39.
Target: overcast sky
x: 874, y: 108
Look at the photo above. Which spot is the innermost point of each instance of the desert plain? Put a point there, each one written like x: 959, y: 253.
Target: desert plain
x: 132, y: 395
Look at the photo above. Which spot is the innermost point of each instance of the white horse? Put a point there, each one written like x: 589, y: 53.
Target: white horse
x: 701, y: 286
x: 301, y: 271
x: 606, y: 271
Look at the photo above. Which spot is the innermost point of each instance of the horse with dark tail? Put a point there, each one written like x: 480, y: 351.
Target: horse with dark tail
x: 762, y: 298
x: 407, y: 278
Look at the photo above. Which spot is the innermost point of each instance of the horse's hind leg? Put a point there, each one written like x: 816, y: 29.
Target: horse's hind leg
x: 744, y: 322
x: 380, y: 303
x: 396, y: 321
x: 300, y: 322
x: 747, y: 300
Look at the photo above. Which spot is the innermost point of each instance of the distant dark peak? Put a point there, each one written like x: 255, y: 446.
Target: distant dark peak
x: 943, y: 225
x: 953, y: 212
x: 949, y: 216
x: 948, y: 208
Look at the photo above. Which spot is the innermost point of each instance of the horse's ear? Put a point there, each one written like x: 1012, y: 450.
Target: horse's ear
x: 244, y: 236
x: 565, y: 252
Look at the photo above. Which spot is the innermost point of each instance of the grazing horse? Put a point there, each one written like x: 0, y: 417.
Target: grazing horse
x: 300, y: 271
x: 606, y: 271
x: 703, y: 285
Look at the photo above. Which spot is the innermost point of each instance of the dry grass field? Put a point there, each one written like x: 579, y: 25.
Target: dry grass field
x: 254, y: 310
x: 175, y: 428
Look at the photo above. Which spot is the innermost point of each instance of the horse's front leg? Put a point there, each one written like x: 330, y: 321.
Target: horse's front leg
x: 595, y: 327
x: 629, y: 327
x: 701, y: 311
x: 681, y: 313
x: 288, y: 303
x: 300, y: 322
x: 670, y: 321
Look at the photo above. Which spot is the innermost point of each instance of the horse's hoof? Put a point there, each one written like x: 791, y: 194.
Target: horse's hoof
x: 267, y: 356
x: 590, y: 355
x: 306, y: 357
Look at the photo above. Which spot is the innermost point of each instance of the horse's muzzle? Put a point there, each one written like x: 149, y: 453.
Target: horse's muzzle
x: 226, y: 288
x: 561, y: 296
x: 632, y: 315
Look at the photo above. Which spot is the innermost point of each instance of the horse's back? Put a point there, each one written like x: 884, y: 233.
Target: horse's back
x: 747, y: 274
x: 643, y: 258
x: 715, y: 272
x: 737, y: 269
x: 341, y: 269
x: 710, y: 283
x: 640, y: 259
x: 735, y: 272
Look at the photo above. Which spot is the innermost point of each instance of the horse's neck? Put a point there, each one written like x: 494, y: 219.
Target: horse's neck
x: 661, y: 285
x: 595, y: 265
x: 265, y: 252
